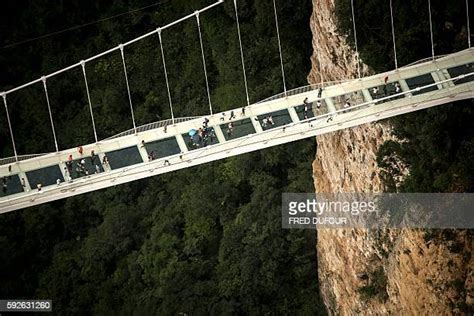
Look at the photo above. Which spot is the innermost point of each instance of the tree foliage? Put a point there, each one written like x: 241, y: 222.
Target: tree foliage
x: 437, y: 144
x: 202, y: 240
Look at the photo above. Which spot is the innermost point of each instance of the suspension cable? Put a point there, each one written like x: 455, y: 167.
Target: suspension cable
x: 83, y: 64
x: 468, y: 28
x: 393, y: 36
x: 50, y: 114
x: 279, y: 46
x: 114, y: 48
x: 128, y: 86
x: 431, y: 30
x: 355, y: 38
x: 166, y: 73
x: 10, y: 125
x: 241, y: 52
x: 204, y: 62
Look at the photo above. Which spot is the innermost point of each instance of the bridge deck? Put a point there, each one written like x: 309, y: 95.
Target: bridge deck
x: 368, y: 99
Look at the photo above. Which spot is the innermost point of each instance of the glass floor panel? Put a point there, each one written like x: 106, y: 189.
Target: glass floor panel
x: 280, y: 118
x: 420, y: 81
x: 460, y: 70
x: 310, y: 113
x: 90, y: 167
x: 124, y: 157
x: 163, y: 147
x: 197, y: 141
x: 13, y: 185
x: 241, y: 128
x: 389, y: 89
x: 45, y: 176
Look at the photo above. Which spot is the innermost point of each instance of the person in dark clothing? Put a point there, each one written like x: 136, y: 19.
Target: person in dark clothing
x: 230, y: 129
x: 4, y: 185
x: 320, y: 92
x: 69, y: 166
x: 270, y: 120
x: 306, y: 108
x: 94, y: 156
x: 95, y: 161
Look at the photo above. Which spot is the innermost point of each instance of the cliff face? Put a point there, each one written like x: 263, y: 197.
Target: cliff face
x: 345, y: 160
x: 373, y: 272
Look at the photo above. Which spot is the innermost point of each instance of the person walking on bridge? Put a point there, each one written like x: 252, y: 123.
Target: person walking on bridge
x: 306, y: 108
x: 320, y: 92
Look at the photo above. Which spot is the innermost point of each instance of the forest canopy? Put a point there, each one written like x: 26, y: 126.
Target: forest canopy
x: 202, y: 240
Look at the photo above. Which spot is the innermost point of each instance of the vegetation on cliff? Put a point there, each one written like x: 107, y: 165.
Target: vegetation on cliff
x: 437, y: 145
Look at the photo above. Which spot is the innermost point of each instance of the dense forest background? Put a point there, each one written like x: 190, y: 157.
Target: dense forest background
x: 437, y: 144
x: 198, y: 241
x: 206, y: 239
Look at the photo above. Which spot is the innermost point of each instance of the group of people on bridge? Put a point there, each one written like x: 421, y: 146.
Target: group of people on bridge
x: 80, y: 167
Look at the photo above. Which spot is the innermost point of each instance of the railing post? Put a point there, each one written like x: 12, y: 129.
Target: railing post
x: 468, y: 26
x: 4, y: 96
x: 128, y: 86
x: 203, y: 61
x: 83, y: 64
x: 431, y: 30
x: 355, y: 38
x: 393, y: 36
x: 50, y: 114
x: 241, y: 53
x: 279, y: 46
x: 158, y: 30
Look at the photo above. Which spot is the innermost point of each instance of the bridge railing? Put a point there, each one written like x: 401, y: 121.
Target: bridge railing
x: 204, y: 152
x: 9, y: 160
x: 143, y: 128
x: 153, y: 125
x: 425, y: 60
x: 310, y: 87
x: 163, y: 123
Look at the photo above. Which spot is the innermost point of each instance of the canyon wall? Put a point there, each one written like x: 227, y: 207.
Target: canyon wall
x: 375, y: 272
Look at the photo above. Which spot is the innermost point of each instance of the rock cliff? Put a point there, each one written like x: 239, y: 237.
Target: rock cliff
x: 375, y: 272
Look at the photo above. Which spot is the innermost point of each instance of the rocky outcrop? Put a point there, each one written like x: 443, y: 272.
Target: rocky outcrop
x: 345, y: 160
x: 375, y: 272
